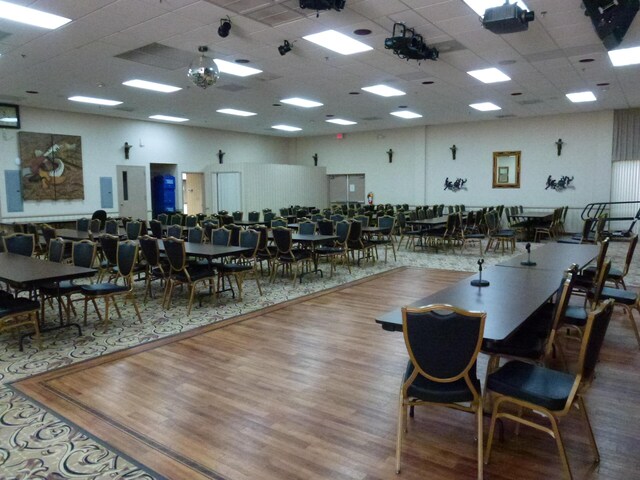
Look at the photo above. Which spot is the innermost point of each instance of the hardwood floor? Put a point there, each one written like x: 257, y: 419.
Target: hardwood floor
x: 308, y: 390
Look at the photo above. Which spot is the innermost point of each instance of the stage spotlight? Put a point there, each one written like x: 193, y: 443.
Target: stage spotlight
x: 285, y: 48
x: 225, y: 27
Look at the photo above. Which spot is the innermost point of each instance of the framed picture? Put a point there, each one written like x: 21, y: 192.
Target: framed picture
x: 503, y: 174
x: 9, y: 116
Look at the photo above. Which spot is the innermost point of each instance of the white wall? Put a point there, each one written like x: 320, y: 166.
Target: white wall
x: 422, y: 160
x: 103, y: 138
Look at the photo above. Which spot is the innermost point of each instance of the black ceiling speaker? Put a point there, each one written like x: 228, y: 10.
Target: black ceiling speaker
x: 225, y: 27
x: 336, y: 5
x: 507, y: 18
x: 284, y: 48
x: 611, y: 19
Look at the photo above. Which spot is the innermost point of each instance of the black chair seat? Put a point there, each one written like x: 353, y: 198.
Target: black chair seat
x: 329, y: 250
x: 437, y: 392
x: 10, y: 306
x: 297, y: 256
x: 542, y: 386
x: 65, y: 287
x: 613, y: 272
x: 625, y: 297
x: 4, y: 295
x: 196, y: 272
x: 474, y: 235
x: 97, y: 289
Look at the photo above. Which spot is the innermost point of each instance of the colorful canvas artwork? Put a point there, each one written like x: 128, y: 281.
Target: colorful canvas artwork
x: 51, y: 166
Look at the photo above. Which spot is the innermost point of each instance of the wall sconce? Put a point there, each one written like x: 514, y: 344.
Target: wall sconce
x: 220, y: 156
x: 315, y: 159
x: 127, y: 147
x: 453, y: 149
x: 390, y: 153
x: 559, y: 145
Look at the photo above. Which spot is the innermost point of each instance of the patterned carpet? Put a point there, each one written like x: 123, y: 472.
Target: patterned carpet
x: 35, y: 444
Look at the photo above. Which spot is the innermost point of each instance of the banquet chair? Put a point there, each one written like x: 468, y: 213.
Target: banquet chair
x: 83, y: 254
x: 254, y: 216
x: 176, y: 219
x: 617, y: 275
x: 111, y: 227
x: 191, y: 221
x: 338, y: 248
x: 126, y: 259
x: 20, y: 244
x: 266, y: 252
x: 174, y: 231
x: 82, y: 224
x: 385, y: 237
x: 133, y: 230
x: 156, y: 228
x: 356, y: 243
x: 195, y: 235
x: 287, y: 257
x: 306, y: 228
x: 109, y: 263
x: 443, y: 343
x: 278, y: 222
x: 94, y: 226
x: 550, y: 393
x: 163, y: 218
x: 237, y: 216
x: 17, y: 312
x: 101, y: 216
x: 498, y: 237
x: 156, y: 268
x: 244, y: 264
x: 181, y: 273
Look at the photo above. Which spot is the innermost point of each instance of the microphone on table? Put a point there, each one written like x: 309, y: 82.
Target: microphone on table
x: 480, y: 282
x: 528, y: 263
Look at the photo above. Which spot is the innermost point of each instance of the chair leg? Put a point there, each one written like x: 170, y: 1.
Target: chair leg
x: 633, y: 323
x: 135, y: 306
x: 592, y: 439
x: 560, y: 444
x: 33, y: 316
x: 402, y: 414
x: 480, y: 420
x: 192, y: 291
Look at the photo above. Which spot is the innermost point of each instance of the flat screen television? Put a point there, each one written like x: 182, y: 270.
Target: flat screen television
x: 611, y: 19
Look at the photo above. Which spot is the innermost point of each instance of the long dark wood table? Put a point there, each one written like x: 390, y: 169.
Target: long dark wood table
x: 73, y: 234
x: 514, y: 293
x: 555, y: 257
x: 207, y: 250
x: 32, y: 272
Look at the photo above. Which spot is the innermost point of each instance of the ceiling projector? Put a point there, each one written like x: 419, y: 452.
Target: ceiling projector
x: 336, y: 5
x: 408, y: 44
x: 507, y: 18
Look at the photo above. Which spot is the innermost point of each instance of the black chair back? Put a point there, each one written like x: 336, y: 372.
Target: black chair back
x: 250, y: 239
x: 150, y: 249
x: 278, y: 222
x: 443, y: 341
x: 101, y: 216
x: 163, y: 218
x: 237, y: 216
x: 595, y: 331
x: 601, y: 278
x: 95, y: 225
x: 254, y: 216
x: 174, y: 231
x: 176, y: 219
x: 307, y: 228
x: 282, y: 237
x: 195, y: 235
x: 133, y: 230
x: 174, y: 248
x: 386, y: 223
x: 355, y: 234
x: 221, y: 236
x: 268, y: 216
x: 156, y: 228
x: 191, y: 221
x: 127, y: 258
x: 109, y: 244
x: 342, y: 231
x: 48, y: 233
x: 325, y: 227
x: 20, y: 244
x: 56, y: 250
x: 82, y: 224
x: 111, y: 227
x: 83, y: 253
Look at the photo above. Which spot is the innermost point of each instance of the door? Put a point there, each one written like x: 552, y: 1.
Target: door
x: 347, y: 189
x: 132, y: 192
x: 193, y: 193
x: 229, y: 191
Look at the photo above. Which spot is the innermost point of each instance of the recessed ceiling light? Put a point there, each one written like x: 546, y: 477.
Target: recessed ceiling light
x: 95, y: 101
x: 579, y: 97
x: 489, y: 75
x: 624, y: 56
x: 406, y: 114
x: 286, y: 128
x: 340, y: 121
x: 234, y: 69
x: 338, y: 42
x: 362, y: 31
x: 31, y: 16
x: 383, y: 91
x: 301, y: 102
x: 479, y: 6
x: 233, y: 111
x: 485, y: 106
x: 156, y: 87
x: 168, y: 118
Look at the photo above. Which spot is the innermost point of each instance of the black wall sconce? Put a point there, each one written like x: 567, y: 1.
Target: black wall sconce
x: 457, y: 184
x: 220, y: 156
x: 315, y: 159
x: 390, y: 153
x: 559, y: 145
x: 453, y: 149
x: 127, y: 148
x: 558, y: 185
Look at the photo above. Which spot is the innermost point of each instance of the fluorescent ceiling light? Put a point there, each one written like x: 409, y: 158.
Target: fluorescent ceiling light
x: 156, y: 87
x: 233, y: 111
x: 31, y: 16
x: 286, y: 128
x: 479, y: 6
x: 485, y: 106
x: 340, y: 121
x: 8, y: 120
x: 338, y: 42
x: 489, y: 75
x: 168, y: 118
x: 235, y: 68
x: 406, y: 114
x: 579, y: 97
x: 383, y: 91
x: 301, y: 102
x: 625, y: 56
x: 95, y: 101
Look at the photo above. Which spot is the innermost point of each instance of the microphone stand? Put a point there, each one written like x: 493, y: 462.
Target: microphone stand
x: 528, y: 263
x: 480, y: 282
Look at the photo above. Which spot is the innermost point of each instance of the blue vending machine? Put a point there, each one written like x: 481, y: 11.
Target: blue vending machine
x: 164, y: 194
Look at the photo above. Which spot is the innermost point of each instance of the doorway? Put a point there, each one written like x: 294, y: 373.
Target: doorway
x: 347, y: 189
x: 193, y: 193
x: 132, y: 196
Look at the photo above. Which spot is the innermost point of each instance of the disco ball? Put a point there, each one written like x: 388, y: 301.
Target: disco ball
x: 203, y: 71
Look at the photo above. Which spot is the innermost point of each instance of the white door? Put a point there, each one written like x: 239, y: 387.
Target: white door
x: 132, y: 192
x: 229, y: 192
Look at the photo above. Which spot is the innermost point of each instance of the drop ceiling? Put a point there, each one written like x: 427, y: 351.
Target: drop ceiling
x: 111, y: 41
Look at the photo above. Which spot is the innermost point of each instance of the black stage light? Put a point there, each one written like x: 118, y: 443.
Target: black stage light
x: 225, y: 27
x: 285, y: 48
x: 336, y: 5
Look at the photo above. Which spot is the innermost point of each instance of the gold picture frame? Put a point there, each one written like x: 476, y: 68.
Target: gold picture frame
x: 9, y: 116
x: 506, y: 169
